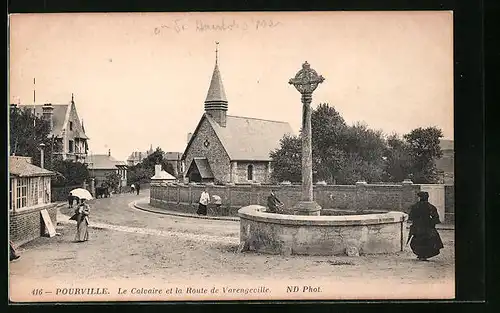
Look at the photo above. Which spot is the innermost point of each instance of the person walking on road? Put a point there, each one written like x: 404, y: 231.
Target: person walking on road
x: 203, y: 202
x: 81, y: 217
x: 425, y: 241
x: 138, y: 188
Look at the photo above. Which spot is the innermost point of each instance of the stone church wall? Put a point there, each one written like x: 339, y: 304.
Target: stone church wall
x: 215, y: 153
x: 260, y: 172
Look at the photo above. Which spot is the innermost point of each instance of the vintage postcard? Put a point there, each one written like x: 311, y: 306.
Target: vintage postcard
x: 231, y: 156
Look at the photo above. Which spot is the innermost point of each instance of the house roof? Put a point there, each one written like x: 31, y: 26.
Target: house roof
x: 22, y: 168
x: 250, y: 139
x: 61, y: 113
x: 103, y: 162
x: 164, y: 176
x: 216, y: 91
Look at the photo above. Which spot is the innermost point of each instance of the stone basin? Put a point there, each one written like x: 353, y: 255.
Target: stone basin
x: 321, y: 235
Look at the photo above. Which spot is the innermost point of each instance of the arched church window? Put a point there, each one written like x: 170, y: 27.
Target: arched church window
x: 250, y: 172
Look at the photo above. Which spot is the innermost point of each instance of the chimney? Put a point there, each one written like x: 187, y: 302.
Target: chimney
x: 48, y: 114
x: 189, y: 137
x: 157, y: 170
x: 109, y: 152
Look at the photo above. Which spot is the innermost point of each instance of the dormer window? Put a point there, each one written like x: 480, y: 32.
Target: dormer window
x: 70, y: 125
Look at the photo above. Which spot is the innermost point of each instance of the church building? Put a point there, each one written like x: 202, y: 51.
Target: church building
x: 230, y: 149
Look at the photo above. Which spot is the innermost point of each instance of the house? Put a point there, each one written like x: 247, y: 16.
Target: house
x: 29, y: 194
x: 69, y: 141
x: 230, y: 149
x: 446, y: 164
x: 137, y: 157
x: 174, y: 159
x: 101, y: 165
x: 161, y: 175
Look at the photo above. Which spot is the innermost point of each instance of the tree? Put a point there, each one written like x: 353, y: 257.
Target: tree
x: 287, y: 160
x: 112, y: 181
x: 73, y: 173
x: 26, y: 133
x: 328, y: 141
x: 424, y: 150
x: 364, y: 151
x: 397, y: 159
x: 142, y: 172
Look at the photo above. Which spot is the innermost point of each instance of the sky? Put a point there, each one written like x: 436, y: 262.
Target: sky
x: 140, y: 79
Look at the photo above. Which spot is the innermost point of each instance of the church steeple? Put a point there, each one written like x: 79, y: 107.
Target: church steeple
x: 216, y: 102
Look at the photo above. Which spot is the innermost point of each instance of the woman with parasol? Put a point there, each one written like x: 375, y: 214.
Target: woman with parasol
x: 81, y: 215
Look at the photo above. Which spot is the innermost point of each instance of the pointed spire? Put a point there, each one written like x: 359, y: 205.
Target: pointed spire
x: 216, y: 52
x: 72, y: 99
x: 216, y: 91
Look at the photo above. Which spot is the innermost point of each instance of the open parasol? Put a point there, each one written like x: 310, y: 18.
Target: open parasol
x: 81, y: 193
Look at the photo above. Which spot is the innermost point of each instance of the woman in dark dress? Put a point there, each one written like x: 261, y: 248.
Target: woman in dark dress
x: 425, y: 240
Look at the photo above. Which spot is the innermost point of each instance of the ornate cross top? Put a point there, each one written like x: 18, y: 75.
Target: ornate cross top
x: 306, y: 80
x: 216, y: 51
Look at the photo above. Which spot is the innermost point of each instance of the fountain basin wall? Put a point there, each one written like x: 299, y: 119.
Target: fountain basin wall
x: 321, y: 235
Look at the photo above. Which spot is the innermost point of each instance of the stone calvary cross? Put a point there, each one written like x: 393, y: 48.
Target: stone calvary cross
x: 306, y: 81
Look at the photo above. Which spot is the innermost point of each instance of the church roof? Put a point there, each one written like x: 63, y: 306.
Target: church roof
x: 250, y: 139
x: 216, y: 90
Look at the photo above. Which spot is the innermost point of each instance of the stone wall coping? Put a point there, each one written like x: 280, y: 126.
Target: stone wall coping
x: 256, y: 213
x: 31, y: 209
x: 316, y: 186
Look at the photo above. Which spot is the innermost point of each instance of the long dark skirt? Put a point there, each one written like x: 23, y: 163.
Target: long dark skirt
x: 82, y: 229
x: 426, y: 244
x: 202, y: 209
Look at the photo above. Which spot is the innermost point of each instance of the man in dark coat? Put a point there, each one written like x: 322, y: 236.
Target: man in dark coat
x: 273, y: 203
x: 138, y: 187
x: 425, y: 240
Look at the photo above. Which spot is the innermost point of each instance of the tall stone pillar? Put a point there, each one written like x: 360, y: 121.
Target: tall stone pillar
x: 306, y: 81
x: 234, y: 172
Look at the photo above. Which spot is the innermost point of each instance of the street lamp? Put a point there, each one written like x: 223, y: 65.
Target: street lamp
x: 42, y: 147
x: 306, y: 81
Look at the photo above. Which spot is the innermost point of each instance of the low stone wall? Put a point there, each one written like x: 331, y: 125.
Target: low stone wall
x: 321, y: 235
x: 27, y: 224
x: 361, y: 196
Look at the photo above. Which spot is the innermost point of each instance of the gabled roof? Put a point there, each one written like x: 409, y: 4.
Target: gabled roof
x: 246, y: 138
x: 216, y: 91
x: 163, y: 175
x: 61, y: 113
x: 103, y: 162
x: 203, y: 167
x: 250, y: 139
x: 22, y: 168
